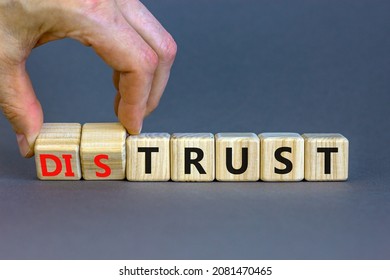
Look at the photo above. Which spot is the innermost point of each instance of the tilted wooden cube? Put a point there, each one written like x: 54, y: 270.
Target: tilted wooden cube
x: 326, y: 157
x: 281, y: 157
x: 103, y: 151
x: 56, y: 150
x: 237, y: 156
x: 192, y: 157
x: 148, y: 157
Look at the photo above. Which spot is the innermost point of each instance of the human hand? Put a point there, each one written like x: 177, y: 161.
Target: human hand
x: 122, y: 32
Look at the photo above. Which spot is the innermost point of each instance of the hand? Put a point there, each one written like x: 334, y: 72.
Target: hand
x: 122, y: 32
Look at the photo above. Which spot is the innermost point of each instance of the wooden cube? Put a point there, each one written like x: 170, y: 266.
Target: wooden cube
x: 56, y: 150
x: 237, y: 156
x: 103, y: 151
x: 281, y: 157
x: 326, y: 157
x: 148, y: 157
x: 192, y: 157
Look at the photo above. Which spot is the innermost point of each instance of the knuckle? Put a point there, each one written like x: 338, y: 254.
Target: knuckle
x: 167, y: 49
x: 149, y: 61
x: 96, y: 12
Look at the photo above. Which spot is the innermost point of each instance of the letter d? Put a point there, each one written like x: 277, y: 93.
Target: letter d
x: 57, y: 161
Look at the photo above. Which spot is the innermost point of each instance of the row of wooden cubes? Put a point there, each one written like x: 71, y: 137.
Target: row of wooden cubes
x: 103, y: 151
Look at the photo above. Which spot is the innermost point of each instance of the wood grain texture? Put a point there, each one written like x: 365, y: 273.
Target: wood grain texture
x: 152, y: 165
x: 315, y: 167
x: 57, y: 144
x: 244, y: 151
x: 181, y: 146
x: 105, y: 143
x: 269, y: 144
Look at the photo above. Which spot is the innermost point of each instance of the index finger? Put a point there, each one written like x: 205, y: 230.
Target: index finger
x: 121, y: 47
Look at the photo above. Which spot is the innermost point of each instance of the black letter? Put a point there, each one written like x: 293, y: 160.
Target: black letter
x: 285, y: 161
x: 188, y: 161
x: 148, y: 158
x: 328, y: 152
x: 229, y: 161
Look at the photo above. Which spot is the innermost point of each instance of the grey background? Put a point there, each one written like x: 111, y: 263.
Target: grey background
x: 258, y: 66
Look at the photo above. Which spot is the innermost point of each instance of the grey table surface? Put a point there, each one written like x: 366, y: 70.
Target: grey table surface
x: 253, y: 66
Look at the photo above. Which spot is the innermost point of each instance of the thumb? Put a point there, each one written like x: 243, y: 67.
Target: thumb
x: 20, y: 106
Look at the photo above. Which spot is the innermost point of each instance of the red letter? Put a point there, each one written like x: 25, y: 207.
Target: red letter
x: 57, y: 162
x: 68, y: 165
x: 107, y: 169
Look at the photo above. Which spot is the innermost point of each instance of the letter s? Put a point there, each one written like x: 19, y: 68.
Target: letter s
x: 105, y: 167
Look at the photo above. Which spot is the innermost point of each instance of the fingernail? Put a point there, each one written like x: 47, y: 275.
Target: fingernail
x: 140, y: 128
x: 24, y: 147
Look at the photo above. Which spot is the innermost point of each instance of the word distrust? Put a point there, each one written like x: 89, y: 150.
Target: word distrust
x: 102, y: 151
